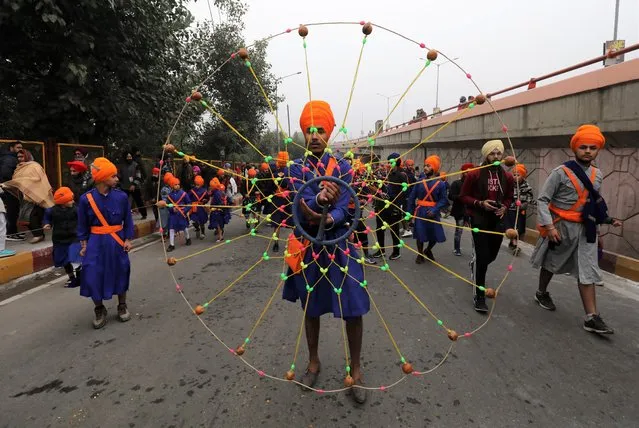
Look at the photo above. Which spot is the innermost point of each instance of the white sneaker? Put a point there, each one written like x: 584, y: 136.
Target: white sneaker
x: 407, y: 233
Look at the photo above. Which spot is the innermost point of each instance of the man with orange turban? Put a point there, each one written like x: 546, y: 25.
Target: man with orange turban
x: 487, y: 192
x: 570, y: 209
x: 105, y: 230
x: 178, y: 213
x: 316, y: 270
x: 516, y: 214
x: 425, y: 202
x: 458, y: 210
x: 218, y: 216
x: 63, y: 218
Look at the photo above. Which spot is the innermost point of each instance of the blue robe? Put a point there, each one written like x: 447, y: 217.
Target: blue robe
x: 426, y: 231
x: 105, y: 268
x: 178, y: 216
x: 323, y: 299
x: 219, y: 216
x: 199, y: 194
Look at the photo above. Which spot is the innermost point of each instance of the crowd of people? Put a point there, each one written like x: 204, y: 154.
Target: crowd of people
x: 92, y: 226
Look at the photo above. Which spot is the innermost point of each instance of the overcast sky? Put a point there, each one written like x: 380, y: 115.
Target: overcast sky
x: 500, y: 42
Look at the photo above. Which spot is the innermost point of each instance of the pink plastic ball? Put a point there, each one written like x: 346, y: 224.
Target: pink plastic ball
x: 288, y: 30
x: 283, y: 223
x: 178, y: 288
x: 467, y: 334
x: 233, y: 55
x: 161, y: 162
x: 305, y: 169
x: 469, y: 76
x: 382, y: 388
x: 188, y: 99
x: 422, y: 45
x: 518, y: 203
x: 504, y: 128
x: 232, y: 351
x: 331, y: 257
x: 362, y: 22
x: 347, y: 251
x: 320, y: 391
x: 260, y: 373
x: 510, y: 268
x: 161, y: 230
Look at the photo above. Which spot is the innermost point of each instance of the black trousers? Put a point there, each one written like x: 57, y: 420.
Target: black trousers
x: 35, y: 221
x: 487, y: 247
x: 139, y: 203
x: 389, y: 216
x: 12, y: 205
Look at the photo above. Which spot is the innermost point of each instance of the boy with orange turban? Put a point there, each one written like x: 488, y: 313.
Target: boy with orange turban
x: 105, y: 230
x: 523, y: 198
x: 218, y: 217
x: 570, y: 209
x: 314, y: 284
x: 425, y: 202
x: 200, y: 196
x: 178, y: 213
x: 279, y: 205
x: 487, y: 193
x: 63, y: 218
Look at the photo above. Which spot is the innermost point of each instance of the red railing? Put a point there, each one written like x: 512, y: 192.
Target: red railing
x: 531, y: 83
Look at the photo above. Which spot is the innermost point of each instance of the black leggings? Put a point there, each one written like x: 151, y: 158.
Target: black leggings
x: 486, y: 250
x: 387, y: 216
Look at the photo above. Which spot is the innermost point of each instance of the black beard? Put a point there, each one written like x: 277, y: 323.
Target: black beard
x: 583, y: 162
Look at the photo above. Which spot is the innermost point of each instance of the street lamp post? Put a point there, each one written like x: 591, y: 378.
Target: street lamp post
x: 388, y: 98
x: 437, y: 87
x: 277, y: 130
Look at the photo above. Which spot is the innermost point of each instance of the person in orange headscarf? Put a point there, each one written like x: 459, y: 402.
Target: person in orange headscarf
x: 517, y: 212
x: 178, y: 213
x: 105, y: 231
x: 198, y: 215
x: 425, y: 202
x: 569, y: 211
x: 306, y: 259
x: 219, y: 215
x: 63, y: 218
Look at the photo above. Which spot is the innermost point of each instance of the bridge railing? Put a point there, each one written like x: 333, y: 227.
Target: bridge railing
x: 530, y: 83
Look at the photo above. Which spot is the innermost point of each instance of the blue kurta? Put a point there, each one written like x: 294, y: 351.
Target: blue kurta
x: 178, y: 215
x: 323, y: 299
x: 201, y: 196
x: 219, y: 216
x: 426, y: 231
x: 105, y: 268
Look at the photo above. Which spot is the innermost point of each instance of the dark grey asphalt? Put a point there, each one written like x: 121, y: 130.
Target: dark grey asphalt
x: 528, y: 367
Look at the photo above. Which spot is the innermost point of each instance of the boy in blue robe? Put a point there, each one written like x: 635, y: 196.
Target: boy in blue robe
x: 178, y: 213
x: 105, y: 230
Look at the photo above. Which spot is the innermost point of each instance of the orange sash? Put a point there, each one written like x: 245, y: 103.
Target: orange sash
x: 175, y: 204
x: 572, y: 214
x: 105, y: 229
x: 295, y: 247
x: 198, y: 201
x: 427, y: 201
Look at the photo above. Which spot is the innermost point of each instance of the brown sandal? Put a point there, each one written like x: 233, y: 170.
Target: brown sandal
x: 309, y: 378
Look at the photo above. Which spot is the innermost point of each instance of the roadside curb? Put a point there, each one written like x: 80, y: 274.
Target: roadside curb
x: 25, y: 264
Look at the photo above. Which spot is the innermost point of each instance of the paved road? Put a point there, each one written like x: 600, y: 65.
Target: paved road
x: 528, y: 367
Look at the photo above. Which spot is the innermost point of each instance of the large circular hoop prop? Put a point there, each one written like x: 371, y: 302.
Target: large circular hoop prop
x: 319, y: 239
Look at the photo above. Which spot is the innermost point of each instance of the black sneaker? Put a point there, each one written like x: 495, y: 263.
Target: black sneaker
x: 276, y: 247
x: 378, y: 255
x: 17, y: 237
x: 480, y: 304
x: 429, y: 255
x: 545, y: 301
x: 596, y: 325
x: 170, y: 248
x: 395, y: 256
x: 188, y: 241
x: 197, y: 232
x: 368, y: 259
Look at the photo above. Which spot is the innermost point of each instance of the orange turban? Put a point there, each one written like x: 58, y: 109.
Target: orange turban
x: 199, y: 181
x: 63, y: 195
x: 322, y: 117
x: 282, y: 159
x: 77, y: 165
x: 220, y: 172
x: 410, y: 162
x: 264, y: 167
x: 520, y: 169
x: 252, y: 173
x: 167, y: 178
x: 434, y: 161
x: 102, y: 169
x: 587, y: 134
x: 174, y: 181
x: 214, y: 183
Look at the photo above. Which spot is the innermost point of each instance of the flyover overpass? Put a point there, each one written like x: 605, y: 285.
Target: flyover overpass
x: 540, y: 122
